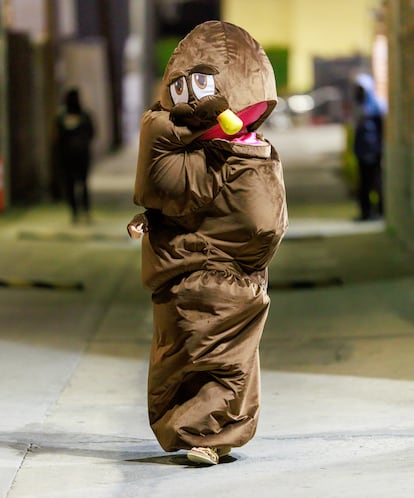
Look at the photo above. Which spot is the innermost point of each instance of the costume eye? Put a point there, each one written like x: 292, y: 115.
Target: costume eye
x: 203, y: 84
x: 179, y: 91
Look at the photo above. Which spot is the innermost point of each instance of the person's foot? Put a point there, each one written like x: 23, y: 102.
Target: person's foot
x: 370, y: 217
x: 363, y: 217
x: 206, y: 456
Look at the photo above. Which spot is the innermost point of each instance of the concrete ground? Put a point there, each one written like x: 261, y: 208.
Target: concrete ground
x: 337, y: 352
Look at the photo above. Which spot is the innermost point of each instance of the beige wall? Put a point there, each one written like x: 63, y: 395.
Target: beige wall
x: 28, y: 15
x: 323, y: 28
x: 84, y: 65
x: 269, y: 21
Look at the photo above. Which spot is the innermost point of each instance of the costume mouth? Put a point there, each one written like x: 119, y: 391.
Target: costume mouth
x: 249, y: 115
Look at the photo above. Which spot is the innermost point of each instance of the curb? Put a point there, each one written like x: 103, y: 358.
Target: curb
x: 40, y: 284
x: 72, y: 237
x: 306, y: 284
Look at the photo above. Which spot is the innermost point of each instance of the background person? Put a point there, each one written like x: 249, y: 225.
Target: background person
x: 75, y: 133
x: 368, y: 147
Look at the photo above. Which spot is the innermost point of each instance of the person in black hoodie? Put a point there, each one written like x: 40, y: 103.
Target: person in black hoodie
x: 368, y: 147
x: 75, y: 132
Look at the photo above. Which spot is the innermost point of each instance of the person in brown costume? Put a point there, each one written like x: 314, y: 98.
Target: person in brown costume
x: 215, y: 215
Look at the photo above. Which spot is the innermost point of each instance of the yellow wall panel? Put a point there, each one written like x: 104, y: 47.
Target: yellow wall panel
x: 309, y: 28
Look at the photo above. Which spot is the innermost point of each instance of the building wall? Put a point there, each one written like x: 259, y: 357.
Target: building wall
x: 86, y: 68
x: 108, y: 19
x: 310, y: 28
x: 399, y: 174
x: 28, y: 16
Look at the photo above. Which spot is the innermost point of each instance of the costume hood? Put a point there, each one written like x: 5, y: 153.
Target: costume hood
x: 241, y: 69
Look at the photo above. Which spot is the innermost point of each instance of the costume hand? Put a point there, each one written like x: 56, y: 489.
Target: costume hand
x: 183, y: 115
x: 209, y: 108
x: 200, y: 116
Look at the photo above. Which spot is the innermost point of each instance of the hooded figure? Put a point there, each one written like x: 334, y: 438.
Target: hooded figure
x: 75, y: 132
x: 368, y: 145
x: 215, y: 215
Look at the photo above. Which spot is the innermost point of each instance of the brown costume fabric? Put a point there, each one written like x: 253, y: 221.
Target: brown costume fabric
x: 217, y: 213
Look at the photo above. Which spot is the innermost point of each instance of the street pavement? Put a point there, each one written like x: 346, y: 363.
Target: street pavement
x: 337, y: 351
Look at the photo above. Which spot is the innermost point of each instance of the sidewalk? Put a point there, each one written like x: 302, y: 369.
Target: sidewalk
x: 337, y: 369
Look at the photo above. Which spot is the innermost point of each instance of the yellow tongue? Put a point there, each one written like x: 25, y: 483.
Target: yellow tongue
x: 229, y: 122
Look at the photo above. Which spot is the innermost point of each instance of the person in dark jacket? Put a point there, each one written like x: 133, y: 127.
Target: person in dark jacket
x: 75, y: 132
x: 368, y: 146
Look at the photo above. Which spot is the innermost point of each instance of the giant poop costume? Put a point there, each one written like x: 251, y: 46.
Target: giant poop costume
x: 216, y: 213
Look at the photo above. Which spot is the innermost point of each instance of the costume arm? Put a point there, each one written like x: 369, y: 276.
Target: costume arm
x: 172, y: 173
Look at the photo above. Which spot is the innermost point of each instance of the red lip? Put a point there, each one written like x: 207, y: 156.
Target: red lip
x: 248, y: 115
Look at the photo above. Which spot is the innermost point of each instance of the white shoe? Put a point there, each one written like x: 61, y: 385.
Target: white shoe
x: 207, y: 456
